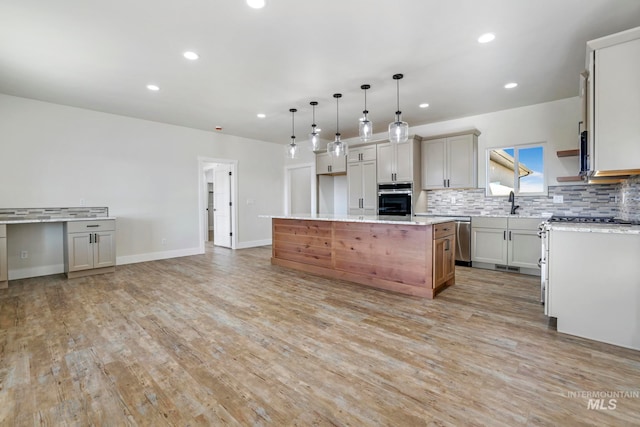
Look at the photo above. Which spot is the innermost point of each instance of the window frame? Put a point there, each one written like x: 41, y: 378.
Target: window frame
x: 516, y: 157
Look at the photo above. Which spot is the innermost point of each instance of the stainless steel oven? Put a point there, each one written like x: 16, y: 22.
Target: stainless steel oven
x: 395, y: 199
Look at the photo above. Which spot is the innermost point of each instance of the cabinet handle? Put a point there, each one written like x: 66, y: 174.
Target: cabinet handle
x: 444, y: 182
x: 90, y: 238
x: 504, y: 235
x: 447, y: 247
x: 93, y: 225
x: 95, y: 238
x: 509, y: 235
x: 448, y: 183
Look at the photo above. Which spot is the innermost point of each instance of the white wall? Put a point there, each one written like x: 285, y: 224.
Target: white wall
x: 145, y: 172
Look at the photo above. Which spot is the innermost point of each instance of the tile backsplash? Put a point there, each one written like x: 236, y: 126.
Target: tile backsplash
x: 618, y: 200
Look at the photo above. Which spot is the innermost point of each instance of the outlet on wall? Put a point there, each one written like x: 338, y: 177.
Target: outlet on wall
x: 24, y: 254
x: 453, y: 200
x: 558, y: 199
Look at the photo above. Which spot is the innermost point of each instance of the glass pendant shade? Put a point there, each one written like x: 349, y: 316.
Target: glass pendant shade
x: 398, y: 130
x: 365, y: 128
x: 337, y: 148
x: 314, y: 136
x: 292, y: 148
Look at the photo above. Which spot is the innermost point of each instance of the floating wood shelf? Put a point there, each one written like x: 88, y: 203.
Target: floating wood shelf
x: 569, y: 178
x: 568, y: 153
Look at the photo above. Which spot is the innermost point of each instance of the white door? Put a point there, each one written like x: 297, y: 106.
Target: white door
x: 222, y: 205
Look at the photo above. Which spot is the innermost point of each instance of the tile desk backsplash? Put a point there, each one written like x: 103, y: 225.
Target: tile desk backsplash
x: 619, y: 200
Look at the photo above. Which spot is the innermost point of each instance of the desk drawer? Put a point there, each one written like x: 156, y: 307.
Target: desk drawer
x: 91, y: 226
x: 443, y: 229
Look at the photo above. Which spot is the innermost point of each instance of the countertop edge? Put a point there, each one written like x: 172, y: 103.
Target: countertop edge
x: 363, y: 219
x: 45, y: 220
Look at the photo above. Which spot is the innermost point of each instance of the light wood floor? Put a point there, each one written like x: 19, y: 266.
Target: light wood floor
x: 227, y: 339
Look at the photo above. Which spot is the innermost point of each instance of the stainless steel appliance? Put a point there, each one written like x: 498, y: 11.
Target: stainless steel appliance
x: 463, y: 241
x: 395, y: 199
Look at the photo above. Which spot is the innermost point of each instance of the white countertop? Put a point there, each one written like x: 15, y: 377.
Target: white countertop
x: 458, y: 215
x: 35, y: 220
x: 377, y: 219
x: 596, y: 228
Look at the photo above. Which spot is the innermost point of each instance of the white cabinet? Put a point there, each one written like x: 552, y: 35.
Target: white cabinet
x: 330, y: 165
x: 510, y: 244
x: 399, y: 162
x: 361, y: 177
x: 3, y: 257
x: 90, y: 247
x: 450, y: 161
x: 614, y: 126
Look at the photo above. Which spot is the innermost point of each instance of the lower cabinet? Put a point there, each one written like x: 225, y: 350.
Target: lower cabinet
x: 444, y: 250
x: 508, y: 244
x: 3, y: 257
x: 89, y: 247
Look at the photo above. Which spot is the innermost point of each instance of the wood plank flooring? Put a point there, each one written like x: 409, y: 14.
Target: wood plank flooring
x: 226, y: 338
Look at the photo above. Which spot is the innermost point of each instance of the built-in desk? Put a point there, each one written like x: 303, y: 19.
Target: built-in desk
x: 88, y: 238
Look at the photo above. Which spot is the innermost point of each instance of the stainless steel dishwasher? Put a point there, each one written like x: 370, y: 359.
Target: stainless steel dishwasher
x: 463, y: 241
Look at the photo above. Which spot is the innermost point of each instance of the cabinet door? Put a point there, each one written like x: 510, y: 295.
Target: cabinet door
x: 385, y: 158
x: 489, y: 245
x: 433, y: 163
x: 338, y: 164
x: 3, y: 259
x: 368, y: 153
x: 524, y: 248
x: 404, y: 161
x: 369, y: 187
x: 323, y: 161
x: 354, y: 155
x: 104, y: 249
x: 461, y: 161
x: 354, y: 180
x: 617, y: 107
x: 80, y: 251
x: 443, y: 260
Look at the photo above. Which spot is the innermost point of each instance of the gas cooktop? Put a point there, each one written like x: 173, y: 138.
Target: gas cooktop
x: 592, y: 220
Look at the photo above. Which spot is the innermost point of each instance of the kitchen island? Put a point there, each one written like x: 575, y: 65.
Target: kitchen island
x: 414, y: 256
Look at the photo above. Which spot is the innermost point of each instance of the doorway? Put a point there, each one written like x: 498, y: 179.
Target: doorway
x: 217, y: 202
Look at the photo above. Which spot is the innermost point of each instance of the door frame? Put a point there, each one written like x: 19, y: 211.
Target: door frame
x: 312, y: 184
x: 203, y: 199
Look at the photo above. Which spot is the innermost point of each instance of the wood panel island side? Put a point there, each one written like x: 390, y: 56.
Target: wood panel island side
x: 413, y: 256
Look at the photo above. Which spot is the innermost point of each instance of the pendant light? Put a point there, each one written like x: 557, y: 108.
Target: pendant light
x: 398, y: 130
x: 314, y: 136
x: 292, y: 148
x: 337, y: 148
x: 366, y: 126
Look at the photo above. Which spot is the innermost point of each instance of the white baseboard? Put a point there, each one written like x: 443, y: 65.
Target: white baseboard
x: 154, y: 256
x: 44, y: 270
x: 253, y: 244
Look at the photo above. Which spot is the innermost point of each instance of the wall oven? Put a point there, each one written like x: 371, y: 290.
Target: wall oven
x: 395, y: 199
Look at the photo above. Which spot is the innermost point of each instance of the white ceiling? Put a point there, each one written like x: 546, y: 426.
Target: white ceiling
x: 101, y: 55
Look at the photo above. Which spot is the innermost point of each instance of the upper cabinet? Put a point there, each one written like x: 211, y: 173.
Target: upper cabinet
x: 399, y: 162
x: 329, y: 165
x: 614, y: 109
x: 450, y: 161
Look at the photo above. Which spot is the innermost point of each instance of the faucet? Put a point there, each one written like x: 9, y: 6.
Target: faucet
x: 512, y: 199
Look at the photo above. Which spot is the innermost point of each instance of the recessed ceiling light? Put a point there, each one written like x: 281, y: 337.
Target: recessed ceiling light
x: 486, y: 38
x: 154, y: 88
x: 424, y: 105
x: 261, y: 115
x: 510, y: 85
x: 191, y: 55
x: 256, y: 4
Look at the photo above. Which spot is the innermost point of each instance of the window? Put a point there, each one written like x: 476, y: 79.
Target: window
x: 519, y: 169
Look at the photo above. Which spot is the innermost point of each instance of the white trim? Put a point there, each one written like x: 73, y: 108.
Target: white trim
x: 254, y: 243
x: 202, y: 202
x: 44, y: 270
x: 312, y: 184
x: 155, y: 256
